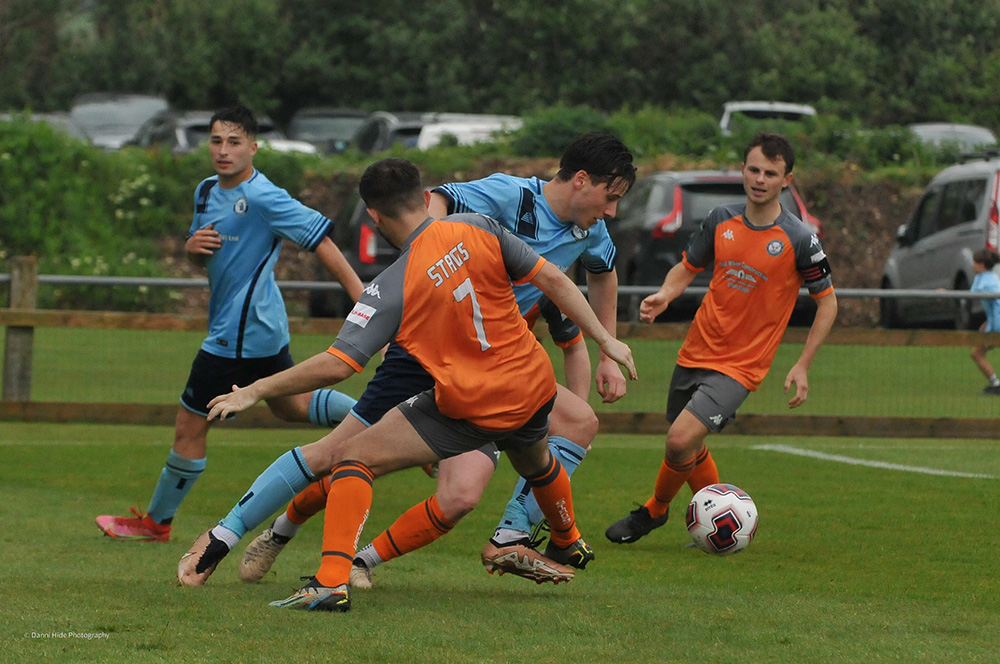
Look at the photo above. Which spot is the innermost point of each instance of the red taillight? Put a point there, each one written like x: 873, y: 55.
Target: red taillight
x: 367, y: 245
x: 671, y: 223
x: 804, y: 214
x: 993, y: 231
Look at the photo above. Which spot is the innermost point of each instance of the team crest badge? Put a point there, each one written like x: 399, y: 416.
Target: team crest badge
x: 581, y: 233
x: 241, y: 206
x: 775, y: 247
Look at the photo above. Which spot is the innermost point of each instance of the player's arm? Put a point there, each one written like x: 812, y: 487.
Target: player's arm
x: 678, y: 278
x: 318, y: 371
x: 564, y: 293
x: 576, y: 366
x: 603, y: 293
x: 330, y: 255
x: 826, y: 313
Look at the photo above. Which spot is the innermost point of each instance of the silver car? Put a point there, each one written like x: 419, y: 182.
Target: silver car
x: 934, y: 249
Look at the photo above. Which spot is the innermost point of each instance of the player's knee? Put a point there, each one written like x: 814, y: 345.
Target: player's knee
x: 579, y: 425
x: 455, y: 505
x: 681, y: 447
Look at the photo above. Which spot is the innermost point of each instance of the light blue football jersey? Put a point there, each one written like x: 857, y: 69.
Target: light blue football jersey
x: 519, y: 205
x: 988, y: 282
x: 246, y: 313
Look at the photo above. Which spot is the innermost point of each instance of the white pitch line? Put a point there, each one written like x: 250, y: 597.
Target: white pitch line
x: 873, y: 464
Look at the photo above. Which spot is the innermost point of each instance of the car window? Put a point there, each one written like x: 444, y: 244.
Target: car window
x: 952, y: 202
x: 925, y: 218
x: 699, y: 199
x: 961, y: 202
x: 632, y: 208
x: 974, y: 199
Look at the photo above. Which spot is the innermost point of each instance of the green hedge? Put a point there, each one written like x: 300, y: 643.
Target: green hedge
x: 84, y: 211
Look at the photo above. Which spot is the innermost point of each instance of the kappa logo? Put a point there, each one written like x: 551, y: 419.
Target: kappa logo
x: 241, y: 206
x: 372, y: 289
x: 716, y: 420
x: 729, y: 234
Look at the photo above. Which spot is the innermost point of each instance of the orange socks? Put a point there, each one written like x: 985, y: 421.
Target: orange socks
x: 310, y: 501
x: 705, y: 473
x: 418, y: 526
x: 668, y: 482
x: 552, y: 491
x: 348, y: 504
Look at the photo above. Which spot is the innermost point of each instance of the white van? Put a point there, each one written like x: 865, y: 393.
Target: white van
x: 465, y: 129
x: 762, y: 110
x: 934, y: 249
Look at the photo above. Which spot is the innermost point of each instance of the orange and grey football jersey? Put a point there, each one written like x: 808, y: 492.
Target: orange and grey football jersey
x: 448, y: 301
x: 757, y: 274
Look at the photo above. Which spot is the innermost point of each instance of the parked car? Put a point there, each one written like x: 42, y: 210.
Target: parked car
x: 184, y: 131
x: 329, y: 129
x: 466, y: 130
x: 382, y: 130
x: 61, y: 122
x: 657, y: 219
x: 966, y: 138
x: 934, y: 248
x: 734, y: 111
x: 364, y: 248
x: 110, y: 120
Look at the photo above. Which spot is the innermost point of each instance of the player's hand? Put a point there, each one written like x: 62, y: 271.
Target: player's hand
x: 620, y: 353
x: 236, y: 401
x: 797, y: 376
x: 652, y: 306
x: 610, y: 380
x: 204, y: 241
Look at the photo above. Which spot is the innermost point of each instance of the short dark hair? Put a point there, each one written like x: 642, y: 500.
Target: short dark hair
x: 603, y: 156
x: 987, y: 257
x: 238, y: 115
x: 773, y: 146
x: 392, y: 186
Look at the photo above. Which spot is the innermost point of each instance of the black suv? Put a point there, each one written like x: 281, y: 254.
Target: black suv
x: 655, y: 223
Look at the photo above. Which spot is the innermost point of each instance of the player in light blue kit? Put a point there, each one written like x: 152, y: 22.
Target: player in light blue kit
x: 239, y: 223
x: 987, y: 281
x: 562, y: 220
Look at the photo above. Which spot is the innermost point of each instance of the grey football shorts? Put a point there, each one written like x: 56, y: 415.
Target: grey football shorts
x: 710, y: 396
x: 450, y: 437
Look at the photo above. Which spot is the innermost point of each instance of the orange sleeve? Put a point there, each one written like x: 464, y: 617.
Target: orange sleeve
x: 346, y: 358
x: 531, y: 275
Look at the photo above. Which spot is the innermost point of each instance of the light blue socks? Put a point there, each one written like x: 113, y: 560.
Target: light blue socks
x: 328, y: 407
x: 271, y: 491
x: 176, y: 479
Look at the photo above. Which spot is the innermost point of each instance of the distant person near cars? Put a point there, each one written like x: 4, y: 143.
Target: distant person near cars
x: 987, y: 281
x: 240, y: 219
x: 761, y: 256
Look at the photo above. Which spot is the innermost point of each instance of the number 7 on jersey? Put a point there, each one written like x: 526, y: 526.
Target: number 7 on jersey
x: 465, y: 289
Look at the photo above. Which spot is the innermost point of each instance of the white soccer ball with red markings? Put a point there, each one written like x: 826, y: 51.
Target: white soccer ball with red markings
x: 722, y: 519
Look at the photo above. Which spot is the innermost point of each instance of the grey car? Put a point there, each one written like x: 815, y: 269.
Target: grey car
x: 934, y: 248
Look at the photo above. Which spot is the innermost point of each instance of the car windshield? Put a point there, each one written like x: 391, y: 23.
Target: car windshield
x: 700, y: 198
x: 966, y: 138
x: 325, y: 128
x: 114, y: 115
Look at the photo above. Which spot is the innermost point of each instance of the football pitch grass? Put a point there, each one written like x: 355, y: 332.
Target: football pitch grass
x: 867, y: 550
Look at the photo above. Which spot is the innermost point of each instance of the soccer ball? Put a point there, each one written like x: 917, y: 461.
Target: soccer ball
x: 722, y: 519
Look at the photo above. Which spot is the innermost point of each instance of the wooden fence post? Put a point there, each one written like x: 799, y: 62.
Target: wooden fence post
x: 19, y: 346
